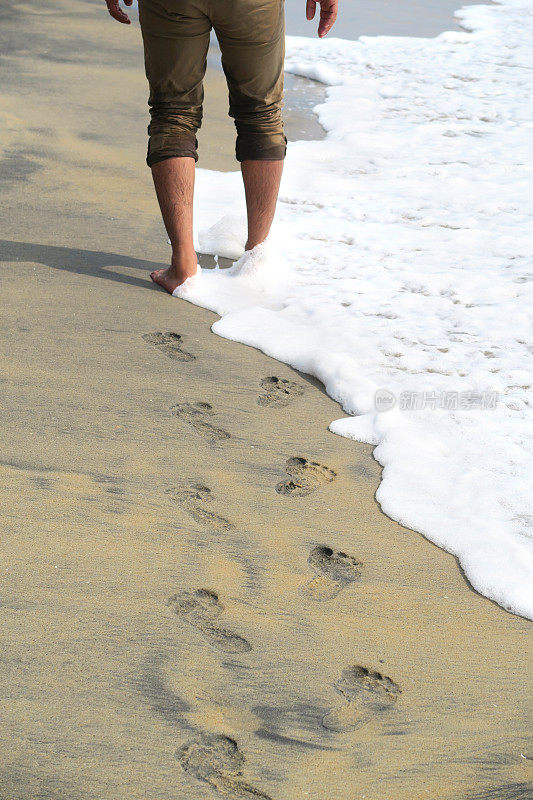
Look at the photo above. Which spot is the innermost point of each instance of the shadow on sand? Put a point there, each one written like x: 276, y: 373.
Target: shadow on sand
x: 95, y: 263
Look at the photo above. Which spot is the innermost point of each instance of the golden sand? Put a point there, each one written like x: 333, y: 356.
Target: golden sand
x: 188, y: 611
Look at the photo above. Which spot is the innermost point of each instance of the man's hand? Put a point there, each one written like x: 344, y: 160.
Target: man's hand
x: 328, y: 14
x: 116, y: 11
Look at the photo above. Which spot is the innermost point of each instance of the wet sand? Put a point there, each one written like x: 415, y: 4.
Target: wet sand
x: 200, y: 596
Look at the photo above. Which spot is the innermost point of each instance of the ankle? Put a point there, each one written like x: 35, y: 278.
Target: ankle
x: 251, y: 243
x: 184, y: 259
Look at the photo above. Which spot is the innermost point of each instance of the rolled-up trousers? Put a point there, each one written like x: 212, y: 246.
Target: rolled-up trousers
x: 251, y: 35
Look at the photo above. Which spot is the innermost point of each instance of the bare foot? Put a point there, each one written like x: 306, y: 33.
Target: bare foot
x: 172, y: 277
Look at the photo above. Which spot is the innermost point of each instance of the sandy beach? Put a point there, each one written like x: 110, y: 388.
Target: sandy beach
x: 200, y: 596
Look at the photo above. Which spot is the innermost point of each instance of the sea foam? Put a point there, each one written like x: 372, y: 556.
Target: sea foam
x: 397, y: 275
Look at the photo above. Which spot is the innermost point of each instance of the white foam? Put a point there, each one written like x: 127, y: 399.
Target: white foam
x: 188, y: 285
x: 400, y: 265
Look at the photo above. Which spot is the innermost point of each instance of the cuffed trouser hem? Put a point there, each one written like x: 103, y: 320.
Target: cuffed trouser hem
x: 171, y: 145
x: 254, y: 149
x: 176, y: 37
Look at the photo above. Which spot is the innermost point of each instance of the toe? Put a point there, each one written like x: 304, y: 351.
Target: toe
x: 156, y: 275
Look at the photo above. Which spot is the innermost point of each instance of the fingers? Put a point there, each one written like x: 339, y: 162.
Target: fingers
x: 328, y: 15
x: 116, y: 11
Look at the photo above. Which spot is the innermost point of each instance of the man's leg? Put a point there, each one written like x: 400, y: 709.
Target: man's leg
x: 261, y: 186
x: 174, y: 186
x: 251, y: 34
x: 176, y: 39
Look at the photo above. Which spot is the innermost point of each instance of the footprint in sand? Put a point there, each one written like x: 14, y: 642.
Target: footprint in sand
x: 201, y: 608
x: 304, y: 477
x: 194, y: 414
x: 334, y: 570
x: 217, y: 760
x: 194, y: 499
x: 170, y: 344
x: 279, y: 391
x: 367, y: 692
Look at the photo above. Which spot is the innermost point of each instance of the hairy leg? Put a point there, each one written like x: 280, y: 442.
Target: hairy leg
x: 261, y: 185
x: 174, y: 186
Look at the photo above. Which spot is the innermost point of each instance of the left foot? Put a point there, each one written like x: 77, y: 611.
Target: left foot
x: 170, y: 278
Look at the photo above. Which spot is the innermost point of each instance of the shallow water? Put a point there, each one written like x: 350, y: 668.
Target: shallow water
x: 379, y: 18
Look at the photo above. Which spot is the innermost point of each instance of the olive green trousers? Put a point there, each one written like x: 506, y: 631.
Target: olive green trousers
x: 251, y: 35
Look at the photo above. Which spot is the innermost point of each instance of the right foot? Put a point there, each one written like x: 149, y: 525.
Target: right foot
x: 172, y: 277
